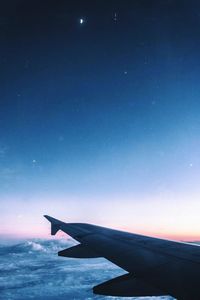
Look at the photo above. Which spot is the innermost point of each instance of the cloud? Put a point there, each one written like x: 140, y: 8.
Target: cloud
x: 32, y: 270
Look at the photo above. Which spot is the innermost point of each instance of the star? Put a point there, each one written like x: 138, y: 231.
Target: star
x: 115, y: 17
x: 81, y: 21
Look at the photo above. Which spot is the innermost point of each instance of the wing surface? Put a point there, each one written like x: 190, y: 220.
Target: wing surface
x: 155, y: 266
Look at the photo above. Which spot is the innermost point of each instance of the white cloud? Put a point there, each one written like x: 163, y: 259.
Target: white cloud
x: 32, y: 270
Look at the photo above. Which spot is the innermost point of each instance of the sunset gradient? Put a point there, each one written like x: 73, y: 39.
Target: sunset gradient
x: 100, y: 121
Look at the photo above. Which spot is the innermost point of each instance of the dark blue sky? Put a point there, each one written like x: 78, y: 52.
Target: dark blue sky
x: 101, y: 114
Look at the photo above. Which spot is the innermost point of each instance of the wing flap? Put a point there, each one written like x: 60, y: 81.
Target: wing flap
x: 78, y: 251
x: 126, y: 286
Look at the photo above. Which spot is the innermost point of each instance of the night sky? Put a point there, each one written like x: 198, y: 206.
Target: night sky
x: 100, y: 115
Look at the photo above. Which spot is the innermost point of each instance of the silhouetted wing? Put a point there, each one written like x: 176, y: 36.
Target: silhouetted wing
x: 155, y: 266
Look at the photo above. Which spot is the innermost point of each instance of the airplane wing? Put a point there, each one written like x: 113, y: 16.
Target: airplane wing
x: 155, y: 267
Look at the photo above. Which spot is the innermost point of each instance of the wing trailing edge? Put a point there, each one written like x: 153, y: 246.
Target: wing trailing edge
x: 126, y: 286
x: 78, y: 251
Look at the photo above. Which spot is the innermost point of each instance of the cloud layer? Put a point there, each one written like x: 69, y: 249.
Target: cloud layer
x: 32, y: 270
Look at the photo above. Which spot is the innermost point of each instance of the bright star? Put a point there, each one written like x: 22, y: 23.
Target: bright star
x: 115, y: 17
x: 81, y: 21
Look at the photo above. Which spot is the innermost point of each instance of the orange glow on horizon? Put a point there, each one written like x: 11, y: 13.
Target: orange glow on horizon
x: 177, y: 236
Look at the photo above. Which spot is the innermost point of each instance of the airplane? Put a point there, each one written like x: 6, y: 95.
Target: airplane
x: 155, y: 267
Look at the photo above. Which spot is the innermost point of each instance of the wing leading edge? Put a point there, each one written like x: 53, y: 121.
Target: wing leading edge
x: 155, y: 267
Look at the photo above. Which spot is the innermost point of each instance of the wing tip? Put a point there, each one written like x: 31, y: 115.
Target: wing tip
x: 52, y: 220
x: 47, y: 217
x: 55, y: 224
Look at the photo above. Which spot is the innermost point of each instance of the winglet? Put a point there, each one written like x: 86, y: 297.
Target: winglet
x: 55, y: 224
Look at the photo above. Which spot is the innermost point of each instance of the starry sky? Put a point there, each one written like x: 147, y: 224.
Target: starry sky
x: 100, y: 115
